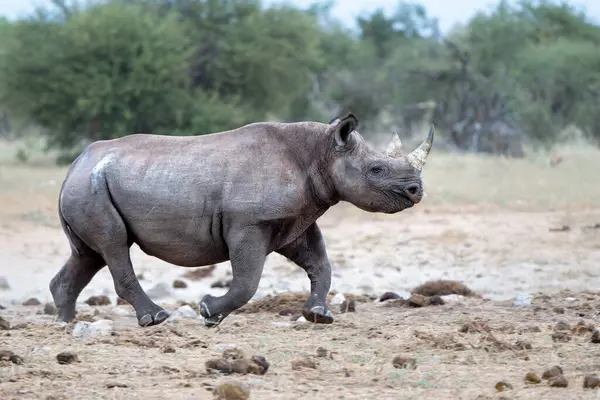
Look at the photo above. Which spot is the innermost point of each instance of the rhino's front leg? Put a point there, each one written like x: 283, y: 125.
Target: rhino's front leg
x: 308, y: 251
x: 247, y: 253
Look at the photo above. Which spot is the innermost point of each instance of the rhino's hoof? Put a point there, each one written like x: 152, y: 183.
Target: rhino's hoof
x: 318, y: 315
x: 150, y: 320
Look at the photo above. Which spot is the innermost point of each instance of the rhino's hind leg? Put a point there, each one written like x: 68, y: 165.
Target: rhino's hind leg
x: 128, y: 287
x: 72, y: 278
x: 308, y: 251
x: 248, y: 252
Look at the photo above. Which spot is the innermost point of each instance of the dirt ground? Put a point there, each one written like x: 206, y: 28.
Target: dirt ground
x: 505, y: 228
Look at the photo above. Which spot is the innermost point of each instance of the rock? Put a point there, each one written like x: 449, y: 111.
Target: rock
x: 240, y: 366
x: 4, y: 324
x: 561, y: 337
x: 348, y: 306
x: 179, y: 284
x: 553, y: 371
x: 159, y: 290
x: 111, y: 385
x: 562, y: 326
x: 301, y: 319
x: 218, y: 365
x: 591, y: 381
x: 523, y: 300
x: 103, y: 327
x: 503, y: 386
x: 222, y: 284
x: 7, y: 355
x: 66, y: 357
x: 121, y: 302
x: 322, y: 352
x: 231, y: 391
x: 289, y: 311
x: 532, y: 377
x: 558, y: 381
x: 303, y: 363
x: 339, y: 298
x: 32, y: 302
x: 570, y: 299
x: 259, y: 365
x: 404, y: 362
x: 98, y: 301
x: 389, y: 296
x: 50, y: 309
x: 558, y: 310
x: 199, y: 273
x: 522, y: 345
x: 595, y: 337
x: 168, y: 349
x: 4, y: 284
x: 417, y: 300
x: 232, y: 354
x: 436, y: 301
x: 184, y: 312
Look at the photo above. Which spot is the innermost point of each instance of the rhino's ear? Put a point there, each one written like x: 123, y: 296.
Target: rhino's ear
x: 344, y: 128
x: 335, y: 121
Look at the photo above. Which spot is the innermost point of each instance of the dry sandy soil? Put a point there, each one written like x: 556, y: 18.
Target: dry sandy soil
x: 503, y: 227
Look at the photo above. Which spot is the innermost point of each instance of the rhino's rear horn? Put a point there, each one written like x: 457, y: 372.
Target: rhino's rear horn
x: 418, y: 157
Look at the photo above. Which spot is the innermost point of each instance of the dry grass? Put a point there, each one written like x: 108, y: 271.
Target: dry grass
x: 495, y: 224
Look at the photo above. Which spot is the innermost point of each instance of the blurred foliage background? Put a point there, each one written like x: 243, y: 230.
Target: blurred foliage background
x: 519, y: 76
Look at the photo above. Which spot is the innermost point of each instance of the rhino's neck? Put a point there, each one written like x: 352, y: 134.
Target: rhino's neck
x: 310, y: 145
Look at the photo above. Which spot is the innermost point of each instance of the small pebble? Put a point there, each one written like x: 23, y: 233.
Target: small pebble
x: 532, y: 377
x: 503, y: 386
x: 561, y: 337
x: 7, y: 355
x: 322, y: 352
x: 558, y: 381
x: 301, y: 363
x: 404, y: 362
x: 98, y: 301
x: 4, y: 324
x: 562, y: 326
x: 32, y: 302
x: 231, y: 391
x: 66, y: 357
x: 389, y: 296
x: 591, y: 381
x: 339, y: 298
x: 595, y: 337
x: 220, y: 365
x: 348, y: 306
x: 523, y: 300
x: 49, y: 309
x: 259, y: 365
x: 553, y: 371
x: 121, y: 302
x: 179, y: 284
x: 168, y: 349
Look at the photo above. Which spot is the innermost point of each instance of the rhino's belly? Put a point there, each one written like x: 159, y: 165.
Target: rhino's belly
x: 187, y: 242
x: 183, y: 253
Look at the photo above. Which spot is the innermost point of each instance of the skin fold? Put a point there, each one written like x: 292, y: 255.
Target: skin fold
x: 237, y: 195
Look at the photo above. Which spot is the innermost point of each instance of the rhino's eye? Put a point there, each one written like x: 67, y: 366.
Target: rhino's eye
x: 376, y: 170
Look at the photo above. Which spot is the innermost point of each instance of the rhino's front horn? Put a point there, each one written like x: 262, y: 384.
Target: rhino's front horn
x: 418, y: 157
x: 394, y: 149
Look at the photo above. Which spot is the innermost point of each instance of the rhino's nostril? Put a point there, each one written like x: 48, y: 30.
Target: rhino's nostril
x: 412, y: 189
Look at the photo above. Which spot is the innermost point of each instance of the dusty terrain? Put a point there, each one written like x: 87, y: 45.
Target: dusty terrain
x: 503, y: 227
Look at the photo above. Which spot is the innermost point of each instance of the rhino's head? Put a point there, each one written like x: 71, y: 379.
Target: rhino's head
x: 386, y: 182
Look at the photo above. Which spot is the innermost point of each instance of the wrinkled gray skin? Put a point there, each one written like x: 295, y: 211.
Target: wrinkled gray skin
x: 236, y: 195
